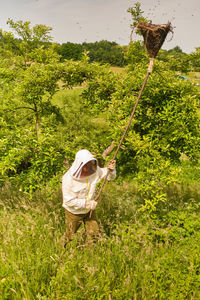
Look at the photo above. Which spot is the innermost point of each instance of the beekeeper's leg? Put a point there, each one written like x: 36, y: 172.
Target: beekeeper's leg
x: 72, y: 223
x: 92, y: 227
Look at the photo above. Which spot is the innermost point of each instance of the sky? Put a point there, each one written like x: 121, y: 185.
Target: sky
x: 81, y: 21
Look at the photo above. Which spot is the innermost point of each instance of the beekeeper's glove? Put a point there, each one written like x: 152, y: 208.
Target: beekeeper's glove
x: 111, y: 165
x: 91, y: 205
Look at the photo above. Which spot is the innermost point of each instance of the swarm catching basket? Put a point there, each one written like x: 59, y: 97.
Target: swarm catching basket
x: 154, y: 37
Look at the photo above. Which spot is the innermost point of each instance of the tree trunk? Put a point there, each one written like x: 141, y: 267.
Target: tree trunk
x: 37, y: 121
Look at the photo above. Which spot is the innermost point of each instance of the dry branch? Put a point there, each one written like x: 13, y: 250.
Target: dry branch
x: 108, y: 150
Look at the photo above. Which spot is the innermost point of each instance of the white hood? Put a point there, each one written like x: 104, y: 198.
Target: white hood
x: 82, y: 157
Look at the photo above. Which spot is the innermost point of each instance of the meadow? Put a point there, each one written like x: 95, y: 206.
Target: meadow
x: 148, y: 216
x: 139, y: 256
x: 135, y: 258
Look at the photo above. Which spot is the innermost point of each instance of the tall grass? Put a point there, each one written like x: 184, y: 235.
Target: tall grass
x: 195, y: 76
x: 67, y: 95
x: 137, y: 257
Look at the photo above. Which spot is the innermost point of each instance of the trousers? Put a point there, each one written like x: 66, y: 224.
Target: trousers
x: 73, y: 222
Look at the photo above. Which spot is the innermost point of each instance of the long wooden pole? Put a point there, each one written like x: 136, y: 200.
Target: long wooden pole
x: 150, y: 68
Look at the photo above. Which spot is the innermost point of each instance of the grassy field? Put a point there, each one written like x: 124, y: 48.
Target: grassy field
x: 117, y: 69
x: 138, y: 256
x: 135, y: 258
x: 68, y: 95
x: 194, y: 76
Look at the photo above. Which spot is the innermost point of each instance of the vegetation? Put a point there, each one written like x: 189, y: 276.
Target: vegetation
x: 57, y: 99
x: 136, y: 257
x: 102, y: 52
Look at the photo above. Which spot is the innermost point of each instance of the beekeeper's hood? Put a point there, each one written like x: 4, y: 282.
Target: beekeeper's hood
x: 82, y: 157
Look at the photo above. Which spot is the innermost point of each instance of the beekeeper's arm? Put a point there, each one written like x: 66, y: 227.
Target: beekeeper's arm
x: 112, y: 171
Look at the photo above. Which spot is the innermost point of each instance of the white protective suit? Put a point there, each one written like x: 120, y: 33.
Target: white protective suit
x: 76, y: 191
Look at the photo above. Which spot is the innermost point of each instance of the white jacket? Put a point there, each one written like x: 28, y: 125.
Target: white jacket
x: 76, y: 191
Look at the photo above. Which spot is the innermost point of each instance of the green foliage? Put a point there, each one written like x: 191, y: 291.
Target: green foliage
x: 29, y: 163
x: 32, y: 88
x: 35, y: 75
x: 166, y: 116
x: 32, y: 78
x: 176, y: 59
x: 27, y: 39
x: 75, y: 73
x: 149, y: 217
x: 165, y: 127
x: 166, y: 124
x: 154, y: 176
x: 38, y: 81
x: 136, y: 54
x: 136, y: 14
x: 81, y: 130
x: 102, y: 52
x: 99, y: 90
x: 105, y: 52
x: 70, y: 51
x: 36, y: 34
x: 34, y: 153
x: 195, y: 60
x: 136, y: 258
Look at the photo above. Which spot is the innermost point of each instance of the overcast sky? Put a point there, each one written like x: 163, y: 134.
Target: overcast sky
x: 94, y: 20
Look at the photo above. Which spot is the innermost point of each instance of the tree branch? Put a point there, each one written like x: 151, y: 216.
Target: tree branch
x: 108, y: 150
x: 22, y: 107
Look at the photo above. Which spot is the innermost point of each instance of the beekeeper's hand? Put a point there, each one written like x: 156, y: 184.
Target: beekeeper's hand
x: 111, y: 165
x: 91, y: 205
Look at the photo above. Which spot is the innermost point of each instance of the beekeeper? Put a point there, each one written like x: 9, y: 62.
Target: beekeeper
x: 78, y: 189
